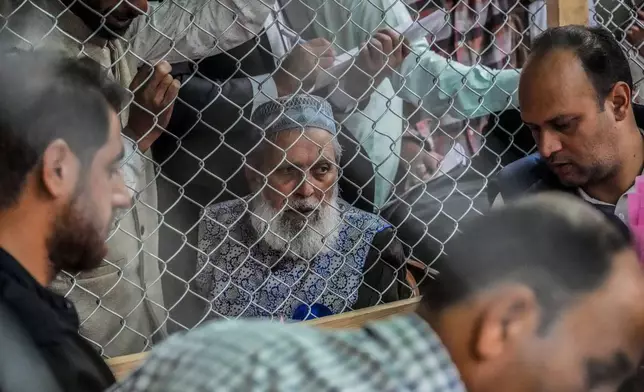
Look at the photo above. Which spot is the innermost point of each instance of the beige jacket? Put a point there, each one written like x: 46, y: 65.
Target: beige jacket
x: 120, y: 303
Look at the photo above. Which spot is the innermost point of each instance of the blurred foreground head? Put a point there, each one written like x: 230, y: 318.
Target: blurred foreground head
x: 60, y: 180
x: 542, y: 295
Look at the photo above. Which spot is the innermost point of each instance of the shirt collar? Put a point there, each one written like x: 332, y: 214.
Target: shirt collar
x: 10, y: 266
x: 32, y: 303
x: 592, y: 200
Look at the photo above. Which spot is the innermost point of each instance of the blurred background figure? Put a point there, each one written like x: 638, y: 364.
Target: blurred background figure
x: 554, y: 306
x: 481, y: 34
x: 426, y: 80
x: 61, y: 186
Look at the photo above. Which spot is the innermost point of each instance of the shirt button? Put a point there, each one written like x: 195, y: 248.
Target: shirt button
x: 621, y: 216
x: 68, y: 304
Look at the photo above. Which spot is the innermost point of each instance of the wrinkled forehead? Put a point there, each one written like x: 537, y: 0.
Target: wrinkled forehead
x: 555, y: 85
x: 303, y: 145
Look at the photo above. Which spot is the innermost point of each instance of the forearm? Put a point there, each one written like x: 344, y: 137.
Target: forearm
x: 193, y: 29
x: 442, y: 86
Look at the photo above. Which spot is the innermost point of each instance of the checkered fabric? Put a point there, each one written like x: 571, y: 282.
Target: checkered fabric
x: 399, y: 354
x: 481, y: 35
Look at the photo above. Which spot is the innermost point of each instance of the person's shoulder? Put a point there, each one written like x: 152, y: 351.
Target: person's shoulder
x: 362, y: 219
x: 225, y: 342
x: 521, y: 166
x: 226, y: 212
x: 515, y: 178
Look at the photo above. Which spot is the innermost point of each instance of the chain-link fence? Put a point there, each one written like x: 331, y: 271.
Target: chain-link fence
x: 288, y: 180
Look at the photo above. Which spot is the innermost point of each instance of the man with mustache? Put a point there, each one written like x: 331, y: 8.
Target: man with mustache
x: 294, y: 249
x: 60, y: 139
x: 576, y: 96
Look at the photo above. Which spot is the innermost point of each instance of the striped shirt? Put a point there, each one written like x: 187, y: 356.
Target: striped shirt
x: 398, y: 354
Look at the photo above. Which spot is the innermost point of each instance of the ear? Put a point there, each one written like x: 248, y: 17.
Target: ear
x: 510, y: 314
x: 60, y: 169
x: 620, y: 98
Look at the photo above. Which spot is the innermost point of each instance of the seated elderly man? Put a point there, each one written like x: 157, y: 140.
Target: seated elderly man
x: 293, y: 249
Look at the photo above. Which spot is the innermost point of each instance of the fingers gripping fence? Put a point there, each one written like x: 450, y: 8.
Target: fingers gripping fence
x: 346, y: 205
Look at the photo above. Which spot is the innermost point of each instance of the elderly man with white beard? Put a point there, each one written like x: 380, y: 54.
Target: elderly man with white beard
x: 293, y: 249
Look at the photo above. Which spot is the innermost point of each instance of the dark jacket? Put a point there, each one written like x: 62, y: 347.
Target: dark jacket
x: 531, y: 174
x: 51, y: 321
x: 385, y: 272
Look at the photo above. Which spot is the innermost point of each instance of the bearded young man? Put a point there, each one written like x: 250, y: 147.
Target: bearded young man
x: 60, y: 139
x: 121, y: 301
x: 294, y: 249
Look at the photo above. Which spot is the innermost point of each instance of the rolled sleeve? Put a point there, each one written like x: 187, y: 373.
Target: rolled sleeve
x: 442, y: 86
x: 178, y: 30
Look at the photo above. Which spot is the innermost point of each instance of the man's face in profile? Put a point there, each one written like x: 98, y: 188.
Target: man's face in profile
x: 82, y: 224
x: 598, y: 342
x: 573, y: 131
x: 593, y: 344
x: 507, y: 340
x: 108, y: 18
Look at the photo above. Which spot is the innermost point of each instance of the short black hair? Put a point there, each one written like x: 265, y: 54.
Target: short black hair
x: 556, y: 244
x: 601, y: 56
x: 45, y: 96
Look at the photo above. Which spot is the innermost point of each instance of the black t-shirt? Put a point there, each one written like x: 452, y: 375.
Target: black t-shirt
x: 52, y: 322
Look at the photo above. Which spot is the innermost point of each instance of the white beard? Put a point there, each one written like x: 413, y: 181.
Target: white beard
x: 303, y: 237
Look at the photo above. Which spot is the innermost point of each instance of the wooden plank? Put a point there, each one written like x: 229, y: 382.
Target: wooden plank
x: 567, y: 12
x: 126, y: 364
x: 358, y: 318
x: 123, y: 366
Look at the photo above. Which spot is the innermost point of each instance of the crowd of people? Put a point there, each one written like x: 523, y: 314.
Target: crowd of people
x: 294, y: 211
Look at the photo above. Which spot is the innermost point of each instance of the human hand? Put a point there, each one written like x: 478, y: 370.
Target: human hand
x: 377, y: 59
x: 421, y: 164
x: 155, y: 92
x: 303, y: 65
x: 383, y: 53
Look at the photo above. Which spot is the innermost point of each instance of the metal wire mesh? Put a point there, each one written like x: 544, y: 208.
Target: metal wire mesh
x: 624, y: 18
x: 414, y: 148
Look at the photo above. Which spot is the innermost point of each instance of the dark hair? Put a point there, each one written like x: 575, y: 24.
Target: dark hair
x: 600, y: 55
x: 555, y: 244
x: 46, y: 96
